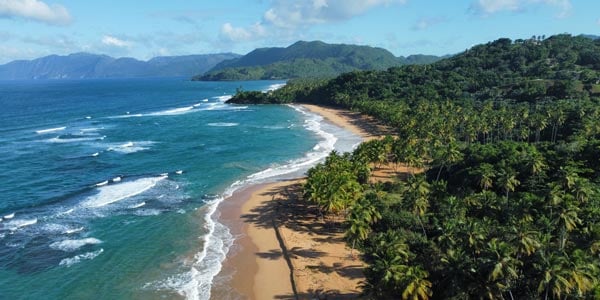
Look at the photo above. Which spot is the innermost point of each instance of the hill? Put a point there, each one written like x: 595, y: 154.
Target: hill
x: 86, y: 65
x: 307, y: 59
x: 501, y: 197
x: 558, y: 67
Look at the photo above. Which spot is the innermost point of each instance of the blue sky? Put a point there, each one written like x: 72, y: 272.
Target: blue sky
x: 143, y: 29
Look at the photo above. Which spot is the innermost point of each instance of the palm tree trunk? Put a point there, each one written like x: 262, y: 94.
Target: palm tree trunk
x: 439, y: 173
x: 422, y: 226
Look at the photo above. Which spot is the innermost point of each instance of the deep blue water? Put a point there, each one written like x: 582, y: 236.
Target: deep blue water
x: 108, y: 186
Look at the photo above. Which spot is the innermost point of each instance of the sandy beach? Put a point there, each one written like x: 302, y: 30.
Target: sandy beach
x: 283, y: 250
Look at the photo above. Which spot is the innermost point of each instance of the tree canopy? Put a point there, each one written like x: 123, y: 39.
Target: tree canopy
x: 508, y: 206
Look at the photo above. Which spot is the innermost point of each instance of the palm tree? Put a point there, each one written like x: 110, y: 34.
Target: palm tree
x: 508, y: 180
x: 448, y: 155
x: 415, y: 284
x: 485, y: 174
x: 418, y: 196
x: 555, y: 276
x: 362, y: 215
x: 504, y: 268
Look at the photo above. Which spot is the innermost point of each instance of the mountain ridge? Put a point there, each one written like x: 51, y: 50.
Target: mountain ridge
x: 82, y: 65
x: 308, y: 59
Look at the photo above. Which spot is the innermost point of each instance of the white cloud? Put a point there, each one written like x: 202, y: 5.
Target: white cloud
x: 239, y: 34
x: 36, y: 11
x: 112, y: 41
x: 290, y: 19
x: 426, y: 22
x: 489, y: 7
x: 294, y: 13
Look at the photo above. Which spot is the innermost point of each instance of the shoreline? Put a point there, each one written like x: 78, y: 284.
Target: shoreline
x: 274, y: 254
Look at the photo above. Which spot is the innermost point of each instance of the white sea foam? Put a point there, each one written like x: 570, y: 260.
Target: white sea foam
x: 128, y: 115
x: 78, y: 258
x: 174, y: 111
x: 95, y: 154
x: 88, y: 117
x: 91, y: 129
x: 274, y: 87
x: 147, y: 212
x: 105, y: 182
x: 49, y: 130
x: 66, y: 212
x: 223, y: 124
x: 116, y: 192
x: 73, y: 230
x: 53, y: 228
x: 223, y: 98
x: 116, y: 179
x: 20, y: 223
x: 72, y: 245
x: 9, y: 216
x: 59, y: 140
x: 179, y: 172
x: 197, y: 283
x: 130, y: 147
x: 204, y: 100
x: 138, y: 205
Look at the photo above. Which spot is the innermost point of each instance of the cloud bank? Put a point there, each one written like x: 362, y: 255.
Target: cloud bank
x: 489, y: 7
x: 288, y: 16
x: 35, y: 10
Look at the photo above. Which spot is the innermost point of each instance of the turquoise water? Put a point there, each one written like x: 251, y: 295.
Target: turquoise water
x: 108, y: 186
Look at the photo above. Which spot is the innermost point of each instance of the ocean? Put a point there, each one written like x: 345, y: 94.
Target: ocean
x: 108, y: 188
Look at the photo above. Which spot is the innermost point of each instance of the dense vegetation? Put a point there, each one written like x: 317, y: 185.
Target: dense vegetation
x: 508, y: 206
x: 308, y: 60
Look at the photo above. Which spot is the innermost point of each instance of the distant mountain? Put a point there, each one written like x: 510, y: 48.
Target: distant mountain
x: 308, y: 59
x: 86, y: 65
x: 591, y: 36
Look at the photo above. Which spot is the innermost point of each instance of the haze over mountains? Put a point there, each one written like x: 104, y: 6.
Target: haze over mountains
x: 86, y: 65
x: 300, y: 60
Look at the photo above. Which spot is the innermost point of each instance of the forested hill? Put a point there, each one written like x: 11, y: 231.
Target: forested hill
x: 308, y: 59
x: 508, y: 204
x: 561, y: 66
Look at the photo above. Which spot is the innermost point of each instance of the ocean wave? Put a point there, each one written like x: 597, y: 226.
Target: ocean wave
x: 197, y: 283
x: 146, y: 212
x: 174, y: 111
x: 274, y: 87
x: 223, y: 124
x: 72, y: 245
x: 105, y: 182
x: 112, y: 193
x: 9, y: 216
x: 20, y: 223
x: 78, y: 258
x: 130, y: 147
x: 73, y: 139
x: 223, y: 98
x: 49, y: 130
x: 137, y: 205
x: 73, y: 230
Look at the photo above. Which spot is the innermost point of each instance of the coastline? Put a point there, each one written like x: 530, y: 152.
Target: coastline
x: 280, y: 249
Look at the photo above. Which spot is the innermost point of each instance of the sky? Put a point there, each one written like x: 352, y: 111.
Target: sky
x: 144, y: 29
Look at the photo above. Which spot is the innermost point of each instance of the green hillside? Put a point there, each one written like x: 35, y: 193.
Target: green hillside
x: 307, y: 60
x: 507, y: 205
